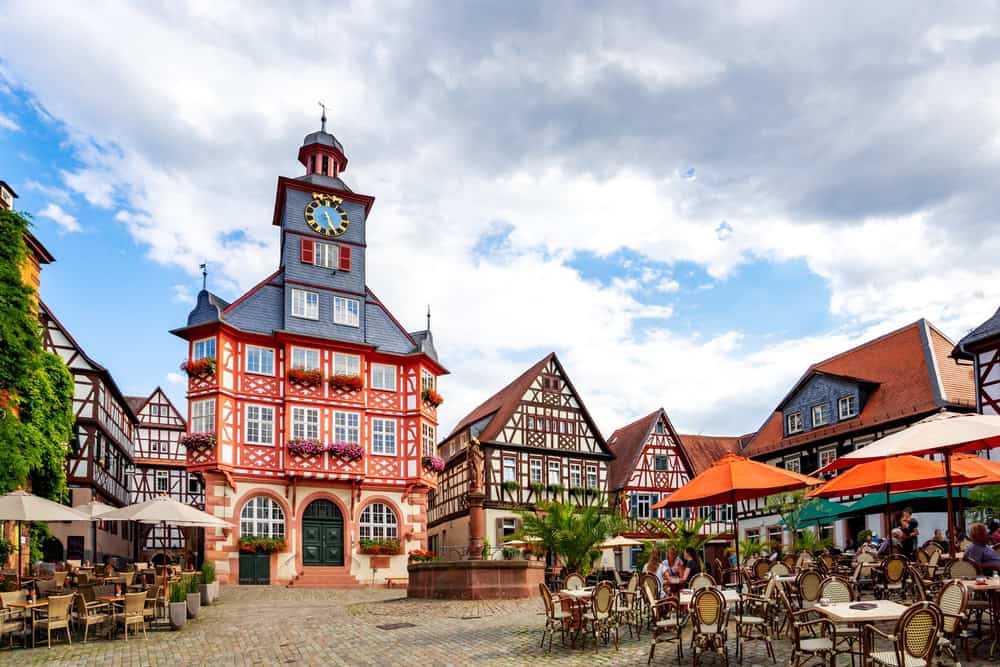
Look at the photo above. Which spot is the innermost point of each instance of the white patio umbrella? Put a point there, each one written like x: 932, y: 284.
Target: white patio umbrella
x: 165, y: 511
x: 619, y: 541
x: 945, y: 433
x: 93, y: 509
x: 22, y: 506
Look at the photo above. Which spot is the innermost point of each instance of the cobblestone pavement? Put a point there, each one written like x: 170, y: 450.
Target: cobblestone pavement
x: 269, y: 626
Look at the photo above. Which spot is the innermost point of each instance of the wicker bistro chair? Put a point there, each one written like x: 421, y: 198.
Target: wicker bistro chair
x: 85, y: 615
x: 890, y: 577
x: 149, y: 610
x: 709, y: 620
x: 959, y: 568
x: 574, y: 582
x: 60, y: 579
x: 701, y: 580
x: 754, y: 622
x: 554, y: 618
x: 11, y: 624
x: 838, y: 589
x: 812, y: 635
x: 601, y: 617
x: 666, y: 617
x: 918, y: 586
x: 761, y: 568
x: 807, y: 588
x: 779, y: 569
x: 952, y: 600
x: 133, y: 613
x: 54, y: 617
x: 14, y: 596
x: 914, y: 640
x: 789, y: 562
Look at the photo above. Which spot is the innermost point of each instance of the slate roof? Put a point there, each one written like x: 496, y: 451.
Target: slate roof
x: 136, y: 402
x: 324, y: 138
x: 913, y: 376
x: 988, y: 329
x: 334, y: 182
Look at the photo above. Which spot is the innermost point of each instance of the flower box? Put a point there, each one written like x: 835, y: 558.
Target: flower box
x: 346, y: 382
x: 203, y: 367
x: 422, y: 556
x: 433, y: 463
x: 381, y: 547
x: 346, y: 450
x: 267, y: 545
x: 201, y: 440
x: 306, y: 447
x: 305, y: 377
x: 431, y: 397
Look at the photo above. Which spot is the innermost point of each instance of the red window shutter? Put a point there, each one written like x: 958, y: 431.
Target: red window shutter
x: 308, y: 254
x: 345, y: 258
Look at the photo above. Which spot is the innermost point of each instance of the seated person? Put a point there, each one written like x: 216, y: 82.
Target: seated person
x: 673, y: 562
x: 994, y: 532
x: 893, y: 544
x: 691, y: 565
x: 939, y: 539
x: 980, y: 552
x: 868, y: 546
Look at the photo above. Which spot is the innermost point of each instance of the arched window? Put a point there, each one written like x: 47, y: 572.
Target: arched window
x: 378, y: 521
x: 262, y: 517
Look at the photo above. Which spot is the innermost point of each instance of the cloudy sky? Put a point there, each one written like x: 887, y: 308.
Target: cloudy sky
x: 688, y: 204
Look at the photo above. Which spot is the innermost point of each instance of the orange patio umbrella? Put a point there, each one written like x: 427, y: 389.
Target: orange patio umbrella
x: 733, y: 478
x: 971, y: 465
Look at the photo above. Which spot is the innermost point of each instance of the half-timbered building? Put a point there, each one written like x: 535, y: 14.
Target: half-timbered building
x: 538, y: 442
x: 848, y: 401
x: 161, y: 469
x: 316, y: 407
x: 981, y: 346
x: 98, y: 465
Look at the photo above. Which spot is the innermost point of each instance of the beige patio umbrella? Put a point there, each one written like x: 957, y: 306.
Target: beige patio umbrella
x: 93, y: 509
x: 945, y: 433
x: 22, y: 506
x: 619, y: 541
x: 165, y: 511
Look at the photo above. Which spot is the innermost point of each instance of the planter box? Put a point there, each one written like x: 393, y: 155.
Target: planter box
x: 178, y: 614
x: 193, y: 604
x: 475, y: 579
x: 205, y: 590
x: 381, y: 562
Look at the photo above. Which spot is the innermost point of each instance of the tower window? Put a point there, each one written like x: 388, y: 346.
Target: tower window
x: 305, y: 304
x: 326, y: 165
x: 312, y: 169
x: 345, y: 311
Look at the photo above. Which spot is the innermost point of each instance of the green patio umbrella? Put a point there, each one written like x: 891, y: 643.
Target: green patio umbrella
x: 820, y: 512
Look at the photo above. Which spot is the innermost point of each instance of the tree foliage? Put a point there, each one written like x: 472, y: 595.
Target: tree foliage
x: 680, y: 536
x: 570, y: 531
x: 790, y: 506
x: 36, y: 388
x: 985, y: 502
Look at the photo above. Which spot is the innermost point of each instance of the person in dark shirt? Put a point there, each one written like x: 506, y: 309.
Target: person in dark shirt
x: 691, y: 565
x: 911, y: 531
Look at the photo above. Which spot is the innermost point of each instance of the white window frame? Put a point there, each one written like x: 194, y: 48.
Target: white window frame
x: 509, y: 469
x: 378, y: 521
x: 262, y: 516
x: 305, y: 354
x: 575, y: 475
x: 384, y: 377
x: 850, y: 400
x: 346, y: 311
x: 793, y: 463
x: 305, y: 423
x: 383, y: 436
x: 535, y: 471
x: 346, y: 364
x: 262, y: 354
x: 825, y: 457
x: 818, y: 409
x: 347, y: 427
x: 154, y: 411
x: 427, y: 380
x: 305, y: 304
x: 203, y: 349
x: 164, y: 476
x: 203, y: 416
x: 326, y: 255
x: 556, y: 468
x: 643, y: 505
x: 591, y: 477
x: 261, y: 418
x: 794, y: 417
x: 428, y: 438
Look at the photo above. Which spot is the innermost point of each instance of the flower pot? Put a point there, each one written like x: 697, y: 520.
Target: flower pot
x: 193, y: 604
x: 205, y: 590
x: 215, y: 590
x: 178, y: 614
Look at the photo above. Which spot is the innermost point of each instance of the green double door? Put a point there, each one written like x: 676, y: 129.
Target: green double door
x: 322, y: 534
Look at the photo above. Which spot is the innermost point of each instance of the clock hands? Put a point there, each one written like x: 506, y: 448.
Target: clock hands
x: 329, y: 222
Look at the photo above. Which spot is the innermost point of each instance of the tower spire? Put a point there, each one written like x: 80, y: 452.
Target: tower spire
x: 204, y: 275
x: 322, y: 119
x: 428, y: 317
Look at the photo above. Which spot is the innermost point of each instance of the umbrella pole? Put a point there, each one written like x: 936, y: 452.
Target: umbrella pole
x: 163, y: 543
x: 20, y: 549
x: 739, y: 579
x: 951, y: 511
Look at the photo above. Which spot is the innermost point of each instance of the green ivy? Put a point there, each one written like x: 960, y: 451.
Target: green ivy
x: 33, y: 442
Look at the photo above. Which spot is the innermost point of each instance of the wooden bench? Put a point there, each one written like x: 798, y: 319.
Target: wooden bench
x: 390, y: 582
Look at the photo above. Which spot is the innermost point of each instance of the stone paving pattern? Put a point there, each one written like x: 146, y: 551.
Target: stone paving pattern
x: 254, y: 625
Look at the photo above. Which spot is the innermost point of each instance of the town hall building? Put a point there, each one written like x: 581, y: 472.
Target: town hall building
x: 311, y: 409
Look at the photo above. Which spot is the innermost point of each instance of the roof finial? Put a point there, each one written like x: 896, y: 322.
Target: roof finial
x: 322, y: 119
x: 204, y: 275
x: 428, y: 317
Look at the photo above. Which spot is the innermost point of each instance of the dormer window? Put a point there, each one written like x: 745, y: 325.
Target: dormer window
x: 821, y: 415
x: 847, y: 406
x: 794, y: 422
x: 551, y: 384
x: 659, y: 428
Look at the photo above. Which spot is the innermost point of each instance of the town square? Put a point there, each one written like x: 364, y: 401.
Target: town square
x: 499, y: 334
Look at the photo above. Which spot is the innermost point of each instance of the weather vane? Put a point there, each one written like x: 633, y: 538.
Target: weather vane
x: 322, y: 118
x: 204, y: 275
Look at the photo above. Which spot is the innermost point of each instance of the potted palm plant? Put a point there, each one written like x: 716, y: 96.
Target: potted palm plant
x: 178, y: 606
x: 193, y: 596
x: 570, y: 531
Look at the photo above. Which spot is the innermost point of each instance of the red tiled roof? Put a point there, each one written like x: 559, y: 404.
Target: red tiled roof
x: 502, y: 404
x: 704, y: 450
x: 627, y: 444
x: 914, y: 376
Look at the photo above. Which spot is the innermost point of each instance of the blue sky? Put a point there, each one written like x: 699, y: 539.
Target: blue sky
x: 689, y: 205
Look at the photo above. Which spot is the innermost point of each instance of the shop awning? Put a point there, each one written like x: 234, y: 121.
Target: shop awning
x: 874, y: 503
x: 820, y: 512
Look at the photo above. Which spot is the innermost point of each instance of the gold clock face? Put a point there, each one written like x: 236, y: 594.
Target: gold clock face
x: 326, y: 215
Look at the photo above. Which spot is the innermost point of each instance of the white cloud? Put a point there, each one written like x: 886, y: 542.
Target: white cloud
x: 667, y: 284
x: 176, y: 378
x: 182, y: 294
x: 96, y: 187
x: 8, y: 123
x: 66, y: 221
x: 49, y: 191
